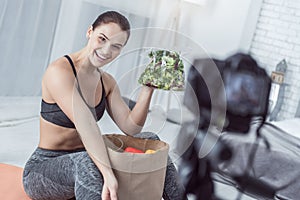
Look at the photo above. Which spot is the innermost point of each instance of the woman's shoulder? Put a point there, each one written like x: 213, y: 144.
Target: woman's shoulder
x: 60, y: 64
x: 58, y: 78
x: 60, y: 69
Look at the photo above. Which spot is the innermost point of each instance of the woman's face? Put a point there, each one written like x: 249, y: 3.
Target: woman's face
x: 105, y: 43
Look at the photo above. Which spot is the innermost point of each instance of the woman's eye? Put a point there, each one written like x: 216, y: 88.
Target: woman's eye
x: 116, y: 47
x: 102, y: 39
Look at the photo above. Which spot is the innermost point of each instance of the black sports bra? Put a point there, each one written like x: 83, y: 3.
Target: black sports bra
x: 53, y: 113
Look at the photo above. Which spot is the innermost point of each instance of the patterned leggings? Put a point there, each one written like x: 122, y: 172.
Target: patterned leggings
x: 61, y: 175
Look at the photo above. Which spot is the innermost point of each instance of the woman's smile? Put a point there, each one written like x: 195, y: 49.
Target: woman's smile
x: 101, y: 57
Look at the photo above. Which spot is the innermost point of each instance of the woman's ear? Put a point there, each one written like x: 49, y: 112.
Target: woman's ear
x: 89, y: 32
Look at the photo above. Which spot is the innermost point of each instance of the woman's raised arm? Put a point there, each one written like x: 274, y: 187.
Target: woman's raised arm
x: 129, y: 121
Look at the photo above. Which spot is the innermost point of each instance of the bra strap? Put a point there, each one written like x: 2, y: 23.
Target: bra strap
x: 75, y: 74
x: 103, y: 90
x: 72, y: 65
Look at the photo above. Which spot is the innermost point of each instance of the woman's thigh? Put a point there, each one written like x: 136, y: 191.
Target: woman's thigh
x: 49, y: 175
x: 55, y: 175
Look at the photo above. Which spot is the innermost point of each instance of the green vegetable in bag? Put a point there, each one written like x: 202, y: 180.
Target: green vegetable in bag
x: 165, y: 71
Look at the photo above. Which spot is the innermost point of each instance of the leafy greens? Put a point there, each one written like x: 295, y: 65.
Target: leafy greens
x: 165, y: 71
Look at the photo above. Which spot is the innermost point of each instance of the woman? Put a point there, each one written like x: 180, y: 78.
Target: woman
x: 71, y: 159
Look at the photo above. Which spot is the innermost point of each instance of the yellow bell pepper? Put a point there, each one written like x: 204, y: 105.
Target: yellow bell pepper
x: 149, y: 151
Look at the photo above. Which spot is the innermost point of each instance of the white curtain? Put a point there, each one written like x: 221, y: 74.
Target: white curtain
x: 26, y: 35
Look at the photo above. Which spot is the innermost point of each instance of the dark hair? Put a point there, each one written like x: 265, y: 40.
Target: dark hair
x: 113, y: 17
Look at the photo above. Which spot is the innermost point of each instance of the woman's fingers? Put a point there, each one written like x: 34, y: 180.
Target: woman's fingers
x: 105, y: 193
x: 109, y: 194
x: 113, y: 195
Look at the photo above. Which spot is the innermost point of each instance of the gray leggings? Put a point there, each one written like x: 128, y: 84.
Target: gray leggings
x: 62, y: 175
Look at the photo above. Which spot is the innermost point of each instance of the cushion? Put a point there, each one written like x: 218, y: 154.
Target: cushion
x: 11, y: 187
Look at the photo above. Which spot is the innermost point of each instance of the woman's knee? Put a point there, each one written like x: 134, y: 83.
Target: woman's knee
x: 83, y: 162
x: 147, y: 135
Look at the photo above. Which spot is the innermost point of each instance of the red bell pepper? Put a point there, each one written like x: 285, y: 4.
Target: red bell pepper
x: 133, y: 150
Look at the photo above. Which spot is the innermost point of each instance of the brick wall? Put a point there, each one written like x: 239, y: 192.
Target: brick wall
x: 277, y: 37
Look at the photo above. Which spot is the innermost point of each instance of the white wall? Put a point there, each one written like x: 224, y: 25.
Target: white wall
x: 220, y: 26
x: 277, y: 37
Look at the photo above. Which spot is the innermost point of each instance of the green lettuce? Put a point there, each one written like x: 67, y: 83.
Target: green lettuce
x: 165, y: 71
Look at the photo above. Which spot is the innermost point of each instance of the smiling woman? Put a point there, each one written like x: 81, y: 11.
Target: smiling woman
x: 107, y: 41
x: 71, y: 158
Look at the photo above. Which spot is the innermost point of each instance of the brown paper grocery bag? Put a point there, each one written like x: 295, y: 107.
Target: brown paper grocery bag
x: 140, y: 176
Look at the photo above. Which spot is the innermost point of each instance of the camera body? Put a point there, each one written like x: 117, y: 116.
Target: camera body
x: 236, y: 89
x: 236, y: 86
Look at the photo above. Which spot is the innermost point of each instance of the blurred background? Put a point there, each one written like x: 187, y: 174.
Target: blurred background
x: 33, y: 33
x: 36, y: 32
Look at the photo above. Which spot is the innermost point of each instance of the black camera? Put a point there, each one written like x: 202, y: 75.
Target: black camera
x: 236, y: 87
x: 226, y: 94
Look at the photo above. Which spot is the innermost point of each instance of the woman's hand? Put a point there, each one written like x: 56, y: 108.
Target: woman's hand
x: 110, y: 187
x: 149, y: 88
